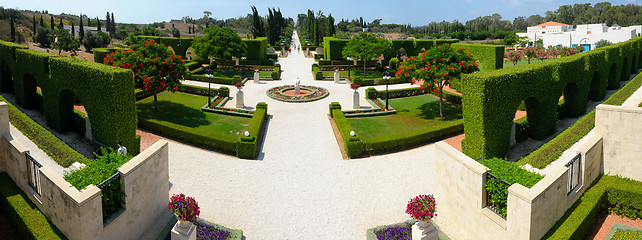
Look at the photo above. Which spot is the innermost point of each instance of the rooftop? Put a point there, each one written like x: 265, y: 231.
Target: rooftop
x: 550, y: 24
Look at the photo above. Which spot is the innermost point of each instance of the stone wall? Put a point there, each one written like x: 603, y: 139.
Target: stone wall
x: 621, y: 130
x: 78, y: 214
x: 460, y: 194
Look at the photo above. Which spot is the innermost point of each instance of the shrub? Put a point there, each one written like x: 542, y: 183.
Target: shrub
x: 30, y: 223
x: 352, y: 144
x: 511, y: 173
x: 393, y: 63
x: 104, y: 39
x: 490, y: 57
x: 247, y: 147
x: 91, y: 41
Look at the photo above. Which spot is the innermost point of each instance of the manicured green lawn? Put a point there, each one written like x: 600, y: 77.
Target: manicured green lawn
x: 231, y: 73
x: 370, y: 74
x: 182, y: 111
x: 508, y: 64
x: 414, y: 114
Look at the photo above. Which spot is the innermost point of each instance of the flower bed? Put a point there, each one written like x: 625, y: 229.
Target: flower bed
x: 216, y: 106
x: 378, y: 109
x: 398, y: 231
x: 316, y: 93
x: 209, y: 231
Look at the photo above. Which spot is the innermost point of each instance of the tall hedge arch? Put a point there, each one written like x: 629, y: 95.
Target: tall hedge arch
x: 256, y: 48
x: 34, y: 69
x: 8, y: 64
x: 490, y: 98
x: 106, y: 93
x: 490, y: 57
x: 180, y: 45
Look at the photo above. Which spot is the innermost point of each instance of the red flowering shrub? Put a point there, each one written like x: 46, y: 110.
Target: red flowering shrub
x: 185, y: 208
x: 355, y: 86
x: 155, y: 68
x: 422, y: 207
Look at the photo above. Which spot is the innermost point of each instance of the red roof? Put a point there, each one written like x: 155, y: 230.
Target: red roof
x: 550, y: 24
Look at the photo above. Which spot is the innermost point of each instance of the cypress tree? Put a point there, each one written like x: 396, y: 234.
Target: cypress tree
x: 98, y: 22
x: 107, y: 23
x: 13, y: 28
x: 81, y: 31
x: 34, y: 24
x: 42, y: 23
x: 73, y: 29
x: 113, y: 25
x: 61, y: 26
x: 52, y: 22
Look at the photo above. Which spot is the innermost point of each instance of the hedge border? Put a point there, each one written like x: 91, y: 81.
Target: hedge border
x: 248, y: 147
x: 20, y: 209
x: 621, y: 194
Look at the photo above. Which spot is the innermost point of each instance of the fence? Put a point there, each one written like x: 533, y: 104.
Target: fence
x: 574, y: 173
x: 500, y: 189
x: 33, y: 172
x: 112, y: 195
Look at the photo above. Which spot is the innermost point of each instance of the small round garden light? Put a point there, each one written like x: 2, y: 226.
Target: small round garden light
x: 352, y: 133
x: 386, y: 76
x: 247, y: 134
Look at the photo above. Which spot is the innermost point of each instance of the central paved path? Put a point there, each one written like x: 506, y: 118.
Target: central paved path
x: 300, y: 187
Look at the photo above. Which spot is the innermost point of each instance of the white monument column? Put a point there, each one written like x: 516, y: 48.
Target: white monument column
x: 256, y: 77
x: 337, y: 76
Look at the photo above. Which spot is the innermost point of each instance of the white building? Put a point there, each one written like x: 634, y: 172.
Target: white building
x: 587, y: 35
x: 86, y: 29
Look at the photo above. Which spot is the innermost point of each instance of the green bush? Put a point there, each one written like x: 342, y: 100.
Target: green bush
x: 101, y: 53
x: 510, y: 172
x: 353, y: 145
x: 490, y: 57
x: 617, y: 195
x: 30, y: 223
x: 191, y: 66
x: 333, y: 48
x: 393, y: 63
x: 409, y: 139
x: 372, y: 93
x: 196, y: 90
x: 247, y: 147
x: 218, y: 80
x: 318, y: 75
x: 33, y: 68
x: 256, y: 48
x: 95, y: 172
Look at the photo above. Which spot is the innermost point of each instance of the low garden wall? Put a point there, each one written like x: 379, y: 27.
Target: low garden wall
x: 621, y: 131
x: 78, y: 214
x: 461, y: 196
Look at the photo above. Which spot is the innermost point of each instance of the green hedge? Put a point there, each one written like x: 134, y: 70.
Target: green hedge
x: 34, y: 68
x: 554, y: 148
x: 179, y: 45
x: 510, y: 172
x: 100, y: 53
x: 30, y: 223
x: 191, y: 66
x: 353, y: 145
x: 405, y: 140
x: 492, y: 97
x: 192, y: 137
x: 333, y: 48
x: 218, y: 80
x: 8, y: 57
x: 256, y: 48
x: 372, y: 93
x: 406, y: 44
x: 247, y: 147
x: 490, y: 57
x: 617, y: 195
x: 105, y: 92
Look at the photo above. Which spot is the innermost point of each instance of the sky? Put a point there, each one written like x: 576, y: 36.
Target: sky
x: 415, y: 12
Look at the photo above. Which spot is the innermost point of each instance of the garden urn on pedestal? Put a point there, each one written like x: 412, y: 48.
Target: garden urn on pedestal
x: 422, y: 208
x: 239, y: 95
x: 256, y: 76
x: 355, y: 96
x: 424, y: 230
x: 337, y: 76
x: 186, y: 210
x: 183, y: 230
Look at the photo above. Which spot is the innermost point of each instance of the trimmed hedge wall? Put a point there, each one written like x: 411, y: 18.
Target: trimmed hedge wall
x: 247, y: 147
x: 490, y: 57
x: 191, y: 66
x: 219, y: 80
x: 617, y: 195
x: 406, y: 44
x: 34, y: 68
x: 8, y: 64
x: 105, y: 92
x: 492, y: 97
x: 256, y: 48
x: 372, y: 93
x: 408, y: 139
x: 353, y: 145
x: 100, y: 53
x: 333, y: 48
x: 29, y: 222
x: 179, y: 45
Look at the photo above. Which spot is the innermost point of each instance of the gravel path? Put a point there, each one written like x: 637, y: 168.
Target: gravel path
x: 300, y: 187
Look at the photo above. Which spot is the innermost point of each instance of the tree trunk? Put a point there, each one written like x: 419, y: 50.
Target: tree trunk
x: 441, y: 106
x: 155, y: 103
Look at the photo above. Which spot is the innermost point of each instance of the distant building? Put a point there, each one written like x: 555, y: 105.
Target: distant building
x: 176, y: 21
x: 586, y: 35
x: 93, y: 30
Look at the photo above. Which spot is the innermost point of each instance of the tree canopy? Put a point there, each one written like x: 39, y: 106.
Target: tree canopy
x: 366, y: 47
x: 219, y: 43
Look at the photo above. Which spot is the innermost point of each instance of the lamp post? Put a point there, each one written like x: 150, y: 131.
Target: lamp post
x: 386, y: 76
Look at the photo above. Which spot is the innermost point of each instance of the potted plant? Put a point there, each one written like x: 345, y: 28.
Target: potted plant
x: 355, y: 86
x: 185, y: 208
x: 355, y: 96
x: 422, y: 208
x: 239, y: 95
x: 239, y: 85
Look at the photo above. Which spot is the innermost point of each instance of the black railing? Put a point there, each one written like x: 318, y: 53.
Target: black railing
x: 112, y: 195
x: 574, y: 173
x: 33, y: 172
x: 496, y: 194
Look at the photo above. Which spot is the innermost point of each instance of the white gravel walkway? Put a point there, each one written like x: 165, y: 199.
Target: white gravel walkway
x: 300, y: 187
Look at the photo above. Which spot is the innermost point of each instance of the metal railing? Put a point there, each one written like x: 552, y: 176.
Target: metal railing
x: 114, y: 177
x: 498, y: 206
x: 574, y: 173
x: 111, y: 195
x: 33, y: 172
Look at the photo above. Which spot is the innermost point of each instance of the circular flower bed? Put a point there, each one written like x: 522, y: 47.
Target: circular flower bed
x: 313, y: 93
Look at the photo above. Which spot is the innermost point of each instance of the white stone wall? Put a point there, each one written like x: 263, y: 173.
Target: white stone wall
x: 78, y: 214
x: 621, y: 130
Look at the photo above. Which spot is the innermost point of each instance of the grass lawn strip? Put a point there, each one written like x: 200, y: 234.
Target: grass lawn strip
x: 27, y: 218
x: 55, y: 148
x: 179, y: 116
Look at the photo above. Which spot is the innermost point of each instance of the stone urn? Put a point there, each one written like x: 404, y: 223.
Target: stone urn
x: 424, y: 230
x: 355, y: 99
x: 337, y: 76
x: 183, y: 230
x: 239, y: 99
x: 256, y: 76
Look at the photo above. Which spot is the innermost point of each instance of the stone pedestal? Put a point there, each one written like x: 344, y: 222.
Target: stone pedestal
x: 256, y: 77
x: 424, y: 231
x: 337, y: 77
x: 184, y: 233
x: 239, y: 99
x: 355, y: 100
x: 87, y: 128
x: 297, y: 89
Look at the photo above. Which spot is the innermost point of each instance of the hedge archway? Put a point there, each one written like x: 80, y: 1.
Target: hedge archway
x: 613, y: 80
x: 597, y: 91
x: 634, y: 64
x: 6, y: 78
x: 625, y: 72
